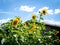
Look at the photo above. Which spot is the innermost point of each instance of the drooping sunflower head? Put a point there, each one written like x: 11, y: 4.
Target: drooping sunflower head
x: 44, y: 11
x: 15, y: 22
x: 24, y: 24
x: 33, y: 16
x: 31, y: 30
x: 34, y: 25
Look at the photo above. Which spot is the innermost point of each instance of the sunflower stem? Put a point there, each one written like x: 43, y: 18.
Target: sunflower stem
x: 39, y: 18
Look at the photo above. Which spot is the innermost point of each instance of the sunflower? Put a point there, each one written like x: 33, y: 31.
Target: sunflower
x: 24, y: 24
x: 18, y: 18
x: 34, y: 25
x: 15, y: 22
x: 31, y: 30
x: 44, y: 11
x: 33, y: 16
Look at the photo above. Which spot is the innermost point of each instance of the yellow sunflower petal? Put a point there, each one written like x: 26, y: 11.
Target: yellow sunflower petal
x: 18, y: 18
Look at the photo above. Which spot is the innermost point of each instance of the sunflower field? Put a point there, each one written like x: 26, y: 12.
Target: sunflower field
x: 31, y: 32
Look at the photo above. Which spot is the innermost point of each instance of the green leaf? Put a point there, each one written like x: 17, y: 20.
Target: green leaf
x: 17, y: 32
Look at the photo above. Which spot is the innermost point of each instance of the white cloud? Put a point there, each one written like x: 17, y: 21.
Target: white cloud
x: 4, y: 20
x: 57, y: 11
x: 52, y: 22
x: 50, y: 11
x: 27, y: 8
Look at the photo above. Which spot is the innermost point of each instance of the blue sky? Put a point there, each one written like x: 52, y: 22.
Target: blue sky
x: 24, y: 8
